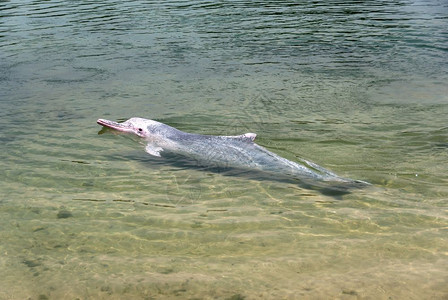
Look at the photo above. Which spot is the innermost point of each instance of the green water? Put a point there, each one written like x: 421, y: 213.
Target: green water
x: 361, y: 89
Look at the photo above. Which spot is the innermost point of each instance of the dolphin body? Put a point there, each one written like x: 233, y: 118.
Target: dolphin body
x: 238, y: 152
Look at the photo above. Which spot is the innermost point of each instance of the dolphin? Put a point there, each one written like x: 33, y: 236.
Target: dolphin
x: 239, y: 152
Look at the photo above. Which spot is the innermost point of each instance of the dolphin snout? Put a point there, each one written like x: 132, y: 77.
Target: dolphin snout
x: 113, y: 125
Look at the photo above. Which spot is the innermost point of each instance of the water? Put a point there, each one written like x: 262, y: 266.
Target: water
x: 358, y: 88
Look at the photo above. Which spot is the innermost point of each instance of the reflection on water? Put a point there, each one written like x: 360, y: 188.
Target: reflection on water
x: 359, y: 88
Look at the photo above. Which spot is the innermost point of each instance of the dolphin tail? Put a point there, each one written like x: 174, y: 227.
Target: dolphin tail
x: 330, y: 176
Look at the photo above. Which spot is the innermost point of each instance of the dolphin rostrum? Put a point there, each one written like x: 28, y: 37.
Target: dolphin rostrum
x: 224, y: 151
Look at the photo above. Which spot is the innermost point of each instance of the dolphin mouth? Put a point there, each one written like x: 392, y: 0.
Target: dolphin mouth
x: 113, y: 125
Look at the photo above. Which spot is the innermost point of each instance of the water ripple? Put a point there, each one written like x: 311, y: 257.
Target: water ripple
x: 356, y: 86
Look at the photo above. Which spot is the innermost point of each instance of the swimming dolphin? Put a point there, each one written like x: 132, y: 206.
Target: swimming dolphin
x: 238, y: 151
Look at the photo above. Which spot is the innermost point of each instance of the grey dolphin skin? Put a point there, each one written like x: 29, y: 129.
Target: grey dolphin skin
x: 224, y: 151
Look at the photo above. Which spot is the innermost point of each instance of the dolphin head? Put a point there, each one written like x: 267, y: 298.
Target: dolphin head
x: 138, y: 126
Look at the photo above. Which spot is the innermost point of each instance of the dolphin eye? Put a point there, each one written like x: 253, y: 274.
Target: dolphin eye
x: 140, y: 130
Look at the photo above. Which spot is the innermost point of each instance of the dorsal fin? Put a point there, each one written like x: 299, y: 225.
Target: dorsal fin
x: 249, y: 137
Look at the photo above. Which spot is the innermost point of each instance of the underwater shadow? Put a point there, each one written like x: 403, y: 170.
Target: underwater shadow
x: 327, y: 188
x: 332, y: 189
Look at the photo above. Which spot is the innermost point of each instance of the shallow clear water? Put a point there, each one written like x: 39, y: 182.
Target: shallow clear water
x: 358, y: 88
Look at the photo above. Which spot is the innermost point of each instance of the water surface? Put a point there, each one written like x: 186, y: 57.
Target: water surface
x: 358, y: 88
